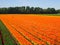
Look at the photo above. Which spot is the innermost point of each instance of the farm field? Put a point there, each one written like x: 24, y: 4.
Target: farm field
x: 32, y: 29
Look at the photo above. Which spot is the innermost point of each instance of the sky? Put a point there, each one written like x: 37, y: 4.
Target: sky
x: 32, y: 3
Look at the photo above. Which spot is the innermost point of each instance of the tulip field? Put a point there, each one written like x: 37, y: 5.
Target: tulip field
x: 29, y: 29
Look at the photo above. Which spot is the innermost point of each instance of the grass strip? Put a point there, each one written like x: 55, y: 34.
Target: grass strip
x: 7, y: 37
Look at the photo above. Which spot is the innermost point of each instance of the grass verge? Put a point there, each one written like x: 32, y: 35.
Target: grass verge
x: 8, y: 39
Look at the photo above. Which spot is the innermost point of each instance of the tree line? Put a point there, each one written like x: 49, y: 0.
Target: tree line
x: 28, y: 10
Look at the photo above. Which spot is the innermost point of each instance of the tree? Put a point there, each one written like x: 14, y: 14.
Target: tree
x: 58, y: 11
x: 28, y: 9
x: 22, y: 9
x: 51, y: 10
x: 3, y: 10
x: 11, y: 10
x: 32, y: 10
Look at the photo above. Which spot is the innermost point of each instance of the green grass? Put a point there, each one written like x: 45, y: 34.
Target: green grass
x: 7, y: 37
x: 51, y: 14
x: 47, y: 14
x: 0, y: 42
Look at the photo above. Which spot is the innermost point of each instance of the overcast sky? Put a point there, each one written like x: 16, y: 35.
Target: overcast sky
x: 31, y: 3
